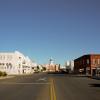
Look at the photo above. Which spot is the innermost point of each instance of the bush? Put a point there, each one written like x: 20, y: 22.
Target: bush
x: 0, y: 73
x: 3, y: 73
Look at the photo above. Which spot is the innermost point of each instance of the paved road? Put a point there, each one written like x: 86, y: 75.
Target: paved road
x: 29, y: 87
x: 76, y: 88
x: 44, y: 86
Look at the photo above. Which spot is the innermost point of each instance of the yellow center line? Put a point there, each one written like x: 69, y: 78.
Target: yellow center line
x: 52, y: 90
x: 51, y: 97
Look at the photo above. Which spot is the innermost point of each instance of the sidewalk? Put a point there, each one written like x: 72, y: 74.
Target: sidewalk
x: 5, y: 77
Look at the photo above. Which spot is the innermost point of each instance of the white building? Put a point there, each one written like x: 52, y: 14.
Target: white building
x: 15, y: 63
x: 69, y: 65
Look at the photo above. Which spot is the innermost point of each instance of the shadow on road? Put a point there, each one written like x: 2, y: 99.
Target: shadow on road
x: 95, y: 77
x: 94, y: 85
x: 69, y: 75
x: 57, y: 73
x: 78, y: 76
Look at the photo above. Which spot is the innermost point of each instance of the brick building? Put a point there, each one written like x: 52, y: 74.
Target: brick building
x: 52, y: 67
x: 87, y: 64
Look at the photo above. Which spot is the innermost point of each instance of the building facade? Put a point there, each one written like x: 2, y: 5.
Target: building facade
x: 87, y: 64
x: 52, y: 67
x: 15, y: 63
x: 69, y: 65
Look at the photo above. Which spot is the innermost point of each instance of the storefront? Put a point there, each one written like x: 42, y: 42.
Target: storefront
x: 96, y: 72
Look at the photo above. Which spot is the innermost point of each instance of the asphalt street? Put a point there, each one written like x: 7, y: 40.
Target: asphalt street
x: 43, y: 86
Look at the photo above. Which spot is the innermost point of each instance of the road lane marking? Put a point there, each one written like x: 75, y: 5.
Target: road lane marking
x: 42, y: 79
x: 51, y: 96
x: 52, y: 90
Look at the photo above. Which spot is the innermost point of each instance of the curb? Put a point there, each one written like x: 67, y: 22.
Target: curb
x: 6, y: 77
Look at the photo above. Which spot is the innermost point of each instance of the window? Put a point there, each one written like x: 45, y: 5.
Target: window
x: 93, y: 61
x: 19, y: 65
x: 98, y: 61
x: 19, y: 57
x: 88, y: 61
x: 7, y: 65
x: 10, y: 65
x: 9, y: 57
x: 3, y: 57
x: 24, y: 62
x: 0, y: 57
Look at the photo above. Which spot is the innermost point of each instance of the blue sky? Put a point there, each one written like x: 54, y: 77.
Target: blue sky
x: 41, y: 29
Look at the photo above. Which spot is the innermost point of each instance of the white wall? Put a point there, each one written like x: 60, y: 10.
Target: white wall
x: 15, y: 63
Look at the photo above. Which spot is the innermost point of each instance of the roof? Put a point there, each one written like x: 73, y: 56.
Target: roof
x: 87, y: 55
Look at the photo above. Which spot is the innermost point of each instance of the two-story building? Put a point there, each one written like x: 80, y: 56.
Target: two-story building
x: 15, y: 63
x: 87, y: 64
